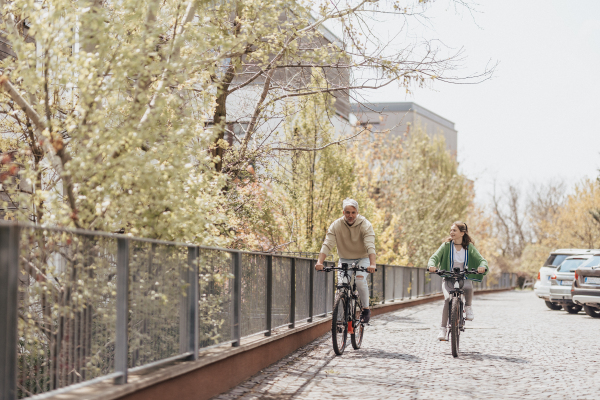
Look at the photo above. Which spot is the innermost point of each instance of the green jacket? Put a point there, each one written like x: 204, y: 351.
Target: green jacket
x: 441, y: 260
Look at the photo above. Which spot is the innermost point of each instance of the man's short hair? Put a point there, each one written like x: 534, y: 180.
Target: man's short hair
x: 349, y: 202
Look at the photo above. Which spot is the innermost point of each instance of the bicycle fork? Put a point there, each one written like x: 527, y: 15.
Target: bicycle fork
x: 351, y: 309
x: 350, y: 315
x: 461, y: 324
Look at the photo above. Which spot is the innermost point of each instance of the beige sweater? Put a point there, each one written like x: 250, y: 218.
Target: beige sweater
x: 353, y: 242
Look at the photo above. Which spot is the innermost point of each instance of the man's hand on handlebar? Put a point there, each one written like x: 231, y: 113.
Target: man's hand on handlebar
x: 371, y: 269
x: 481, y: 270
x: 319, y: 266
x: 432, y: 269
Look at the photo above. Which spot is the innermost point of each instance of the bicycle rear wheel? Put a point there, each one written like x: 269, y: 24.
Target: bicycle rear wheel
x: 357, y: 337
x: 455, y: 325
x: 339, y: 326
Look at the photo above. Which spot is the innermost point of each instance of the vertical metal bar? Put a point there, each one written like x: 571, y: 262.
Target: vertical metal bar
x: 333, y: 287
x: 418, y: 281
x: 293, y: 295
x: 383, y: 284
x: 408, y: 285
x: 311, y: 288
x: 121, y: 340
x: 9, y: 269
x: 326, y: 280
x: 192, y: 301
x: 372, y: 285
x: 269, y: 310
x: 236, y: 325
x: 394, y: 283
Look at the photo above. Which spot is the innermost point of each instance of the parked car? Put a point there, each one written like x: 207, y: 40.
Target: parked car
x: 542, y: 285
x: 562, y: 280
x: 586, y: 286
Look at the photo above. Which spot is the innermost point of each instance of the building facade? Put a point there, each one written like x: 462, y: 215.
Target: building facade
x: 401, y: 117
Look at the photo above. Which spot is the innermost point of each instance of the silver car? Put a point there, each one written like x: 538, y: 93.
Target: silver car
x: 542, y: 285
x: 562, y: 280
x: 586, y: 287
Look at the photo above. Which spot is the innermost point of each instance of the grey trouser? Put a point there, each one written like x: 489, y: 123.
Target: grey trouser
x: 360, y: 278
x: 446, y: 288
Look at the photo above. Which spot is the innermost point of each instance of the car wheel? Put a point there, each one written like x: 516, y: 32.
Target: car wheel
x: 592, y: 311
x: 573, y: 309
x: 553, y: 306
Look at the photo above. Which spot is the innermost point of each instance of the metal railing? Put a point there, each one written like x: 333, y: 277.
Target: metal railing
x: 78, y: 307
x: 394, y: 283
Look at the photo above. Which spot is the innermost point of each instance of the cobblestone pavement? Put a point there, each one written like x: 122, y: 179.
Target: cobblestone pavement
x: 515, y: 348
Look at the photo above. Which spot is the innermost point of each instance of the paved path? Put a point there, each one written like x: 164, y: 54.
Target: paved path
x: 515, y: 348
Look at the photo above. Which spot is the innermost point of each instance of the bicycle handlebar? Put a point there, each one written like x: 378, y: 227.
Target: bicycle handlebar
x: 329, y: 269
x: 452, y: 274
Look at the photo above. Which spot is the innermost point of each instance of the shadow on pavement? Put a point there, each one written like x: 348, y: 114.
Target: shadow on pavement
x: 481, y: 357
x: 395, y: 318
x: 389, y: 355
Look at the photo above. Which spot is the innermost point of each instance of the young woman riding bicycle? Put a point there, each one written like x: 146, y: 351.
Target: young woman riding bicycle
x: 458, y: 251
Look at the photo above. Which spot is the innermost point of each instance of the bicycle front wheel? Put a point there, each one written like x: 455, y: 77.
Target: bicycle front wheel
x: 339, y: 325
x: 357, y: 337
x: 455, y: 325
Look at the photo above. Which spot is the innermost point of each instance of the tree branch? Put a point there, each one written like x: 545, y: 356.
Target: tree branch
x: 319, y: 148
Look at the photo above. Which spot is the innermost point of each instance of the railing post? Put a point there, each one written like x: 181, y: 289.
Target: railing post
x: 189, y: 315
x: 372, y: 285
x: 9, y: 270
x: 383, y: 284
x: 393, y: 284
x: 326, y: 290
x: 121, y: 340
x: 418, y: 281
x: 236, y: 325
x: 269, y: 310
x: 403, y: 283
x: 293, y: 296
x: 311, y: 288
x: 411, y: 286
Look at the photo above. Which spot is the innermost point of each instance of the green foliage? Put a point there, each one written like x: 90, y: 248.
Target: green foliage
x: 416, y: 185
x: 432, y: 195
x: 312, y: 184
x: 123, y: 114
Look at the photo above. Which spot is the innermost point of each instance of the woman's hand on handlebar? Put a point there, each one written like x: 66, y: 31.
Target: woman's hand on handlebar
x: 481, y: 270
x: 432, y: 269
x: 372, y: 268
x: 319, y: 266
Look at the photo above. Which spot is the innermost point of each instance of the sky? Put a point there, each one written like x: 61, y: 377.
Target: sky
x: 538, y: 118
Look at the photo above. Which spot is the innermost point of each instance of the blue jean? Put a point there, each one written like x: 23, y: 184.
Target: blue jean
x: 360, y: 278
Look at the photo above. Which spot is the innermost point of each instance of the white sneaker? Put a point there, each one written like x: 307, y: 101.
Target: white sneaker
x: 442, y: 335
x: 469, y: 312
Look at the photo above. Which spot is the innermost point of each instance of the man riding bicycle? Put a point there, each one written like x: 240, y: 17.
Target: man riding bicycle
x: 355, y: 240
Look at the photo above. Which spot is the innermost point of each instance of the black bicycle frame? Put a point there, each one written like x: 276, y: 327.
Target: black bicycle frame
x: 349, y: 289
x: 456, y: 276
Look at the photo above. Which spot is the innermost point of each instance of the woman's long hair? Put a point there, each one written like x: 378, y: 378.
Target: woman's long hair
x: 466, y: 238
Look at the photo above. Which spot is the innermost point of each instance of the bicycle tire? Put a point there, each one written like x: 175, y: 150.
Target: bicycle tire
x: 339, y: 326
x: 454, y: 327
x: 357, y: 337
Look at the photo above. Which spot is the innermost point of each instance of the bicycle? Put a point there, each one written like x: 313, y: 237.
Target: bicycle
x: 456, y: 318
x: 347, y: 309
